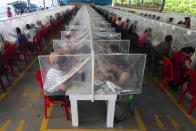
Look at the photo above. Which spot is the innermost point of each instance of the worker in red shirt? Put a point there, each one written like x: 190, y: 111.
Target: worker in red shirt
x: 8, y: 12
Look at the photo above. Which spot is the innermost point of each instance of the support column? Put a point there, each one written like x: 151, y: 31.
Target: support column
x: 28, y: 3
x: 163, y: 4
x: 52, y: 3
x: 44, y: 4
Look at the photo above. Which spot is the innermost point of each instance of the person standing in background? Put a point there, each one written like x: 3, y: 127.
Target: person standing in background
x: 28, y: 10
x: 8, y: 12
x: 15, y: 11
x: 22, y: 12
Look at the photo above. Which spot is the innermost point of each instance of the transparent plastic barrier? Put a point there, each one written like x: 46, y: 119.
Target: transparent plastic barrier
x: 109, y: 69
x: 181, y: 37
x: 106, y: 36
x: 77, y: 28
x: 75, y: 35
x: 72, y: 47
x: 111, y: 46
x: 103, y: 29
x: 69, y: 74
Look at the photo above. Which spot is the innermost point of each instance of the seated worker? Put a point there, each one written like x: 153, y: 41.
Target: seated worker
x: 181, y: 61
x: 118, y: 21
x: 113, y: 49
x: 126, y: 27
x: 57, y: 92
x: 170, y: 20
x: 187, y: 22
x: 19, y: 39
x: 164, y: 48
x: 29, y: 33
x: 144, y: 38
x: 133, y: 36
x: 123, y: 76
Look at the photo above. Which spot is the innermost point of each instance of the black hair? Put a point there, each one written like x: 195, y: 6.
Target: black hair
x: 8, y: 8
x: 188, y: 50
x: 114, y: 48
x: 61, y: 61
x: 187, y: 18
x: 28, y: 26
x: 180, y: 22
x: 148, y: 30
x: 168, y: 38
x: 18, y: 31
x: 171, y: 19
x: 119, y: 18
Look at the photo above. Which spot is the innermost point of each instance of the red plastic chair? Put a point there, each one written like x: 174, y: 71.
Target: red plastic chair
x: 168, y: 72
x: 191, y: 89
x: 10, y: 55
x: 45, y: 34
x: 37, y: 41
x: 24, y: 51
x: 47, y: 100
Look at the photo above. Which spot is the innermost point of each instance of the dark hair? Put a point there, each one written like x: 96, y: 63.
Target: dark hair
x: 148, y: 30
x: 180, y: 22
x: 168, y: 38
x: 171, y: 19
x: 114, y: 48
x: 187, y: 18
x: 188, y: 50
x: 133, y: 28
x: 61, y: 61
x: 127, y: 20
x: 119, y: 18
x: 18, y: 31
x: 28, y: 26
x: 8, y: 8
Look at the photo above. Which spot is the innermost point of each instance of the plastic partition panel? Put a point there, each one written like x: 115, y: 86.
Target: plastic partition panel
x: 68, y: 74
x: 111, y: 46
x: 75, y: 35
x: 72, y: 47
x: 106, y: 36
x: 111, y: 68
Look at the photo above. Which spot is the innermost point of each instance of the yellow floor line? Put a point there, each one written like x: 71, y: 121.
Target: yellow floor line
x: 37, y: 94
x: 137, y: 116
x: 45, y: 121
x: 25, y: 94
x: 20, y: 126
x: 173, y: 99
x: 3, y: 95
x: 139, y: 120
x: 159, y: 122
x: 173, y: 122
x: 91, y: 130
x: 5, y: 125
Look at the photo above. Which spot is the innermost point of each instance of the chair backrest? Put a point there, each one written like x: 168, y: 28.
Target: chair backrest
x: 168, y: 68
x: 39, y: 79
x: 10, y: 52
x: 192, y: 82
